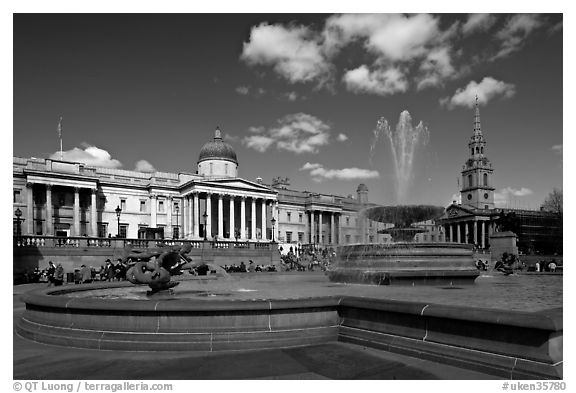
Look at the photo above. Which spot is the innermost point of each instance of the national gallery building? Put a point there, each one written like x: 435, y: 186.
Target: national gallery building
x: 59, y: 198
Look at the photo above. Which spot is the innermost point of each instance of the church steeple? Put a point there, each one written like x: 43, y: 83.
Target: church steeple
x: 477, y: 128
x: 477, y: 190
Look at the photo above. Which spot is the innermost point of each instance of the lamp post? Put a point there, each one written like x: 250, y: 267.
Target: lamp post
x: 205, y: 215
x: 273, y: 222
x: 177, y: 208
x: 118, y: 212
x: 18, y: 214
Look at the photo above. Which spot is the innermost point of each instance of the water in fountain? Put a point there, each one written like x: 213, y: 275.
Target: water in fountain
x: 404, y: 141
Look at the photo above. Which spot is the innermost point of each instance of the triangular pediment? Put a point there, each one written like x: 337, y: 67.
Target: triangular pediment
x: 454, y: 211
x: 234, y: 184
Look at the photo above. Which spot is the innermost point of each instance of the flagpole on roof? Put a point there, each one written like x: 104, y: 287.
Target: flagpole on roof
x: 60, y: 137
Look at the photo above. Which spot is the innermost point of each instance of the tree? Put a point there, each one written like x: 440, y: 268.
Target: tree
x: 553, y: 202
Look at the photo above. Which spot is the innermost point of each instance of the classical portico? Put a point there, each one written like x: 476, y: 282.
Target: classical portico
x: 229, y: 209
x: 467, y: 225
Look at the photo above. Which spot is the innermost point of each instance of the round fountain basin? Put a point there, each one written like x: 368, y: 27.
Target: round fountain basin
x: 168, y: 323
x: 405, y: 264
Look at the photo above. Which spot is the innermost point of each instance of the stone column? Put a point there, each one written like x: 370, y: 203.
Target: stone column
x: 232, y: 222
x: 332, y: 233
x: 320, y: 228
x: 458, y: 233
x: 169, y: 223
x: 275, y: 213
x: 209, y: 212
x: 339, y: 227
x: 466, y: 235
x: 243, y: 217
x: 30, y: 208
x: 185, y: 219
x: 220, y: 217
x: 264, y: 219
x: 76, y: 210
x: 306, y: 228
x: 475, y: 231
x: 313, y: 227
x: 49, y: 222
x: 153, y: 206
x: 483, y: 233
x: 196, y: 216
x: 253, y: 217
x: 93, y: 213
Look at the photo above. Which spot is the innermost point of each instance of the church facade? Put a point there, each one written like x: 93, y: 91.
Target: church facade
x: 59, y: 198
x: 476, y: 218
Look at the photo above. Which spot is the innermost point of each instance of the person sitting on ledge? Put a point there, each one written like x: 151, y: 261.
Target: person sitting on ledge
x: 86, y: 274
x: 59, y: 275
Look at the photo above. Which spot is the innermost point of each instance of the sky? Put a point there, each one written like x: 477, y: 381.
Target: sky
x: 298, y: 96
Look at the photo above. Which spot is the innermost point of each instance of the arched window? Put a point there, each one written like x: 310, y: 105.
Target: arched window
x: 485, y: 179
x: 469, y: 180
x: 482, y: 149
x: 477, y: 150
x: 472, y: 151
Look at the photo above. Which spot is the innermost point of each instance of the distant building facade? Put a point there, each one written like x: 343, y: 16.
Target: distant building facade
x: 59, y: 198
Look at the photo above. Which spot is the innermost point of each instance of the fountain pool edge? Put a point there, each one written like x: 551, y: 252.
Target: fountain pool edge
x: 516, y: 344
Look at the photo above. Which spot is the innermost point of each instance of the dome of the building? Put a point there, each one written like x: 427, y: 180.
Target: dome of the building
x: 362, y: 187
x: 217, y: 150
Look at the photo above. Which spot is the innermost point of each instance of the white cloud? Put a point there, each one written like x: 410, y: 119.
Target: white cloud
x: 294, y: 52
x: 515, y: 32
x: 319, y: 173
x: 380, y: 82
x: 503, y: 197
x: 298, y: 133
x: 436, y: 67
x: 478, y: 23
x: 557, y: 149
x: 392, y: 36
x: 456, y: 198
x: 259, y: 143
x: 291, y: 96
x: 243, y: 90
x: 342, y: 137
x: 90, y: 155
x: 486, y: 90
x: 556, y: 28
x: 144, y: 166
x: 231, y: 138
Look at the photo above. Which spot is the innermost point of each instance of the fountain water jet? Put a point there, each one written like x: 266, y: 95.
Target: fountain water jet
x: 403, y: 261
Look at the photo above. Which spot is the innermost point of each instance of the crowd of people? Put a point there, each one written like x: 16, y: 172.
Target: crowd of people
x: 309, y: 259
x: 250, y: 268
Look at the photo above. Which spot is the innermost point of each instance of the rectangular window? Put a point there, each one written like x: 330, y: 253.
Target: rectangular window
x: 300, y: 217
x: 175, y: 232
x: 176, y: 207
x: 102, y: 230
x: 123, y: 204
x: 160, y: 206
x: 288, y: 216
x: 371, y: 239
x: 123, y: 231
x: 347, y: 239
x: 300, y: 237
x: 370, y: 223
x: 142, y: 206
x: 16, y: 196
x: 347, y: 221
x: 142, y: 231
x: 289, y: 237
x: 101, y: 203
